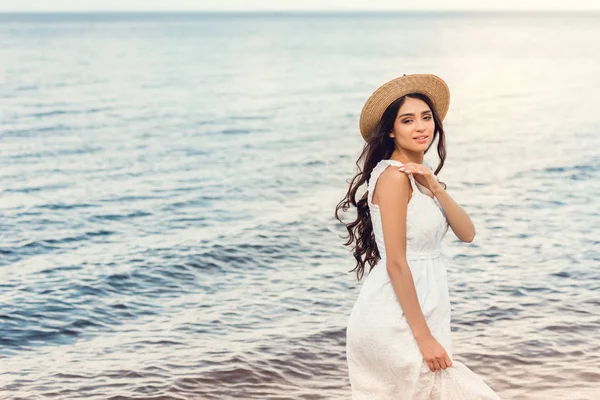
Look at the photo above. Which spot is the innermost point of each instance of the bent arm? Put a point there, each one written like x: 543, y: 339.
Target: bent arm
x: 393, y: 203
x: 458, y: 219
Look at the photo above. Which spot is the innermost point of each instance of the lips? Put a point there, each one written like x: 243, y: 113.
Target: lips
x: 420, y: 138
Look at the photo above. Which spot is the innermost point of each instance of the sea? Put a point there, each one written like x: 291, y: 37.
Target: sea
x: 168, y: 183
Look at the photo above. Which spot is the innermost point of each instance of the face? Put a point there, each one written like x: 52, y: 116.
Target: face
x: 413, y: 122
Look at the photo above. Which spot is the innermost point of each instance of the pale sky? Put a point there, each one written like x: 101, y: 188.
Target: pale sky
x: 300, y: 5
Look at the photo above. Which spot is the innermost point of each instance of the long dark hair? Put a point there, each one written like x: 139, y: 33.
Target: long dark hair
x: 379, y: 146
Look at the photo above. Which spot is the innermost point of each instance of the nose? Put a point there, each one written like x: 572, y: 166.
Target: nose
x: 420, y: 126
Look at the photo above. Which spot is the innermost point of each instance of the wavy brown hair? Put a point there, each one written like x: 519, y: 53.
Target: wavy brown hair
x: 379, y: 146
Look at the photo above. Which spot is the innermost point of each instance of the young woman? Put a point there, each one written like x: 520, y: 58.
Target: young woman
x: 398, y: 343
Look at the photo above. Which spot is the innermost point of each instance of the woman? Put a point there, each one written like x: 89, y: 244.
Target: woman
x: 398, y: 337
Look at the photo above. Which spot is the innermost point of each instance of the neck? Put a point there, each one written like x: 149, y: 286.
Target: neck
x: 408, y: 156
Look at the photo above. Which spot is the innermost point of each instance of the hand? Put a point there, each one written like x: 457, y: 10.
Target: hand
x: 434, y: 354
x: 424, y: 175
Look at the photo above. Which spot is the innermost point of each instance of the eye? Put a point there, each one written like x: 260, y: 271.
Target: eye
x: 406, y: 121
x: 428, y: 116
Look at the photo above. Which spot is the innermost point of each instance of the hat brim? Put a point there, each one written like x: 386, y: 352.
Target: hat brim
x: 430, y: 85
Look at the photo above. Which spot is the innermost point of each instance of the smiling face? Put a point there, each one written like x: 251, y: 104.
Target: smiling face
x: 413, y: 126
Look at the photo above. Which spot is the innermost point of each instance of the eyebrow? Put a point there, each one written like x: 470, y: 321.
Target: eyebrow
x: 412, y: 115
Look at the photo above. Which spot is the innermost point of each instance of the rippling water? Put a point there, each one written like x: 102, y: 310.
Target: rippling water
x: 168, y: 185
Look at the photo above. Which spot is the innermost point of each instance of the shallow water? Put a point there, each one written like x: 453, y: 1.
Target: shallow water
x: 169, y: 181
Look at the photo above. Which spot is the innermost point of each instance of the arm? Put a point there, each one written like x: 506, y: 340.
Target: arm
x: 392, y: 188
x: 393, y: 205
x: 458, y: 219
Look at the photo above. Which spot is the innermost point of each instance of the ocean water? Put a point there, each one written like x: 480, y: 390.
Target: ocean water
x: 168, y: 184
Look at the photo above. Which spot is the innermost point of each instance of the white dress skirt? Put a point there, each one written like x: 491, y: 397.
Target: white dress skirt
x: 384, y: 360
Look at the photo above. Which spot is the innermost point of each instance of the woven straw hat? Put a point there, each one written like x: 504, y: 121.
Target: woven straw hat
x: 430, y: 85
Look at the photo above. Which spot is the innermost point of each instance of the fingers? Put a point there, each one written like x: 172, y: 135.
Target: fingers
x: 442, y: 362
x: 445, y: 362
x: 434, y: 365
x: 448, y: 361
x: 439, y: 363
x: 412, y: 168
x: 431, y: 367
x: 408, y: 170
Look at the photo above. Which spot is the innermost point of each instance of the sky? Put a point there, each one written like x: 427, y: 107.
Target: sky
x: 304, y: 5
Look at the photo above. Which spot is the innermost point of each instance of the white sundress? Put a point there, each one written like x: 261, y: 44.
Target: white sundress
x: 384, y: 360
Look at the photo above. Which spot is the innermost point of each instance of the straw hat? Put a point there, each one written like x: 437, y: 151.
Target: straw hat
x: 430, y: 85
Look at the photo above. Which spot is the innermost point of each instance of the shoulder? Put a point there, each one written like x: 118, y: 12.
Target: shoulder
x: 392, y: 173
x: 393, y: 181
x: 393, y: 191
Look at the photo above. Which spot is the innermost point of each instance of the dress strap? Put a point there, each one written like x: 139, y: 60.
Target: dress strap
x: 377, y: 170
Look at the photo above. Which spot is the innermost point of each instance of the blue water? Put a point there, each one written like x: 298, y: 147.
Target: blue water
x: 168, y: 183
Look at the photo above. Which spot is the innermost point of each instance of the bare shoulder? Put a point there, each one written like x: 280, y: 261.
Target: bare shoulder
x: 392, y: 175
x: 392, y: 185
